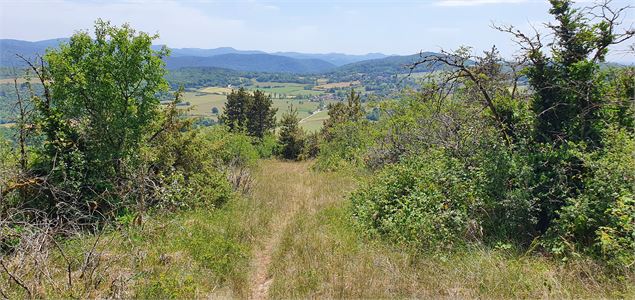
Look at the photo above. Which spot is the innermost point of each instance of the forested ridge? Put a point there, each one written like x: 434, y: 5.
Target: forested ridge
x: 487, y: 177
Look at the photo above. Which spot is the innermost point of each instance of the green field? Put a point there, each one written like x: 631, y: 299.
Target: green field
x: 314, y: 122
x: 287, y: 88
x: 203, y: 100
x: 201, y: 104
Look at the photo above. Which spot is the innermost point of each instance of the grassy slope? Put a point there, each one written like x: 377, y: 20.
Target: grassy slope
x: 186, y: 255
x: 322, y: 255
x: 293, y: 237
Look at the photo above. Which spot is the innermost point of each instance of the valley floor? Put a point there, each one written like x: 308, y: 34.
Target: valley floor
x: 293, y: 237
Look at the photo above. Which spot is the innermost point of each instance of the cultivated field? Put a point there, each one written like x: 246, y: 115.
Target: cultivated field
x: 337, y: 85
x: 203, y: 100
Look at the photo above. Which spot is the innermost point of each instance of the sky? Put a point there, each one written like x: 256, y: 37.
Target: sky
x: 310, y: 26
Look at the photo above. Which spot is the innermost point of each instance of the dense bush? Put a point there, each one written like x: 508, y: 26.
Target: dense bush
x: 601, y: 219
x: 473, y: 156
x: 267, y: 146
x: 429, y: 200
x: 345, y: 148
x: 99, y: 144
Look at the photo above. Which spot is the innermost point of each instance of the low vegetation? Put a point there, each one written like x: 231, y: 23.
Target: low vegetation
x: 492, y: 179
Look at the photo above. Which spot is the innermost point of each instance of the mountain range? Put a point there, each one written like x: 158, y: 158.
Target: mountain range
x: 233, y: 59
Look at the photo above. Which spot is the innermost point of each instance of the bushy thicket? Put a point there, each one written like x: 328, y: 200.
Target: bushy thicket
x: 98, y: 144
x: 475, y: 156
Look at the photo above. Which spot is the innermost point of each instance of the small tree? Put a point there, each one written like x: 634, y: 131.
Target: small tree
x: 98, y: 107
x: 236, y: 107
x: 292, y: 136
x: 261, y: 116
x: 215, y: 110
x: 252, y: 113
x: 340, y: 112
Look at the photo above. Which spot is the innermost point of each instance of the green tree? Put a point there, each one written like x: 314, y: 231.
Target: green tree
x: 292, y: 136
x: 340, y: 112
x: 261, y: 116
x: 569, y: 102
x: 98, y: 107
x: 236, y: 110
x: 355, y: 111
x: 252, y: 113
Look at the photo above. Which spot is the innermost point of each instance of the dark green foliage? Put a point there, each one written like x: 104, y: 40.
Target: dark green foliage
x: 261, y: 117
x: 601, y: 218
x: 551, y: 166
x: 572, y: 109
x: 427, y: 200
x: 252, y: 113
x: 312, y: 145
x: 236, y: 107
x: 291, y: 137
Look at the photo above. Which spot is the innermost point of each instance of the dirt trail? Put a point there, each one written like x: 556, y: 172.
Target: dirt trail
x: 288, y: 190
x: 261, y: 279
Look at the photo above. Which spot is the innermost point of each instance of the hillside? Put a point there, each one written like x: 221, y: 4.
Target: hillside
x: 9, y: 48
x: 252, y: 62
x: 338, y: 59
x: 177, y: 52
x: 389, y: 65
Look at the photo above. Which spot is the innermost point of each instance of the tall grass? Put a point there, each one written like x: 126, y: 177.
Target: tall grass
x: 321, y: 254
x: 293, y: 237
x: 182, y: 255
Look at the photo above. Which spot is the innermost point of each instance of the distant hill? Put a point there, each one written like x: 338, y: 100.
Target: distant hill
x: 388, y: 65
x: 177, y: 52
x: 337, y: 59
x: 253, y: 63
x: 9, y: 48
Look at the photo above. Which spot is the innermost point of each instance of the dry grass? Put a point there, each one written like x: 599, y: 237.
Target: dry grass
x: 293, y: 237
x: 185, y: 255
x: 337, y: 85
x: 216, y: 90
x: 321, y: 254
x: 290, y: 189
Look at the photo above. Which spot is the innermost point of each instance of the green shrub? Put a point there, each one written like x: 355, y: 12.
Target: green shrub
x: 267, y: 146
x: 601, y: 220
x: 229, y: 149
x: 428, y: 200
x: 193, y: 165
x: 346, y: 147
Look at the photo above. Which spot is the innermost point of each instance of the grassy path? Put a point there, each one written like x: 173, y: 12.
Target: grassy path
x: 289, y: 189
x: 292, y: 238
x: 311, y: 249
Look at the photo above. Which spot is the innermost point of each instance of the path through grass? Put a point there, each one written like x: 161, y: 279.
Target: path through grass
x: 312, y: 249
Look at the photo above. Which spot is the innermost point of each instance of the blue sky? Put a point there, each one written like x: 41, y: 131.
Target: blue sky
x: 350, y: 26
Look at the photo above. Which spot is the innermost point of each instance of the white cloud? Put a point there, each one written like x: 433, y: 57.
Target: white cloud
x: 175, y: 22
x: 475, y: 2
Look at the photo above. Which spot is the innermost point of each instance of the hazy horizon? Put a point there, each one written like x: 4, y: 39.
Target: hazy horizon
x: 349, y: 27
